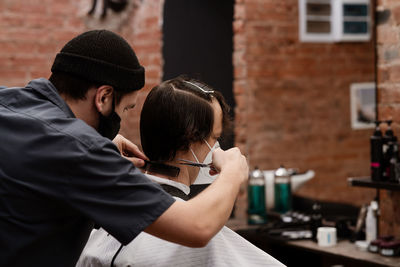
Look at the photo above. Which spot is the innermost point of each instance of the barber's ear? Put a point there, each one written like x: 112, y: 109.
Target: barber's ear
x: 103, y: 99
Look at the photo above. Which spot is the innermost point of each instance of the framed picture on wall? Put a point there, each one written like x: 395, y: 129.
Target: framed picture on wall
x: 363, y: 105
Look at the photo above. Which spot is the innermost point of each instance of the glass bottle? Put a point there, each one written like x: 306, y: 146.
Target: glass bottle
x: 282, y: 190
x: 256, y: 198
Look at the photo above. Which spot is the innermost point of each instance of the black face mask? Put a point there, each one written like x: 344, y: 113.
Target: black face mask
x: 109, y: 125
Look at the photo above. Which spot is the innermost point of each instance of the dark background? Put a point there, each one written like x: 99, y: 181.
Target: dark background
x: 198, y: 42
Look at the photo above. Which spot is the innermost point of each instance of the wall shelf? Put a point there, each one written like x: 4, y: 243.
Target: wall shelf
x: 367, y: 182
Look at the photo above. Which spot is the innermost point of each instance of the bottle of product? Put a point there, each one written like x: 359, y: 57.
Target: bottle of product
x: 394, y: 164
x: 371, y: 222
x: 282, y: 190
x: 256, y: 198
x: 388, y: 142
x: 376, y: 154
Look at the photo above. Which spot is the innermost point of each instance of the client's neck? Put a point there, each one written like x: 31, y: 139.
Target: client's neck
x: 182, y: 178
x: 186, y: 172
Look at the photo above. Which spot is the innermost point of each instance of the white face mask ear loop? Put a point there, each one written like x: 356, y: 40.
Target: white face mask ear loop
x: 194, y: 155
x: 208, y: 144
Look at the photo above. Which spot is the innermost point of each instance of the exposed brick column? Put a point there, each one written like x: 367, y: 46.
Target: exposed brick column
x: 388, y: 41
x: 242, y: 93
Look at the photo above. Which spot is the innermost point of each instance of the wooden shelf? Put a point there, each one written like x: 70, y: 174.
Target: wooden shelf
x: 367, y: 182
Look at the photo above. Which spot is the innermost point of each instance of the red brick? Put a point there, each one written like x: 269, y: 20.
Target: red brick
x: 45, y: 73
x: 240, y: 11
x: 389, y: 95
x: 62, y: 8
x: 31, y: 62
x: 396, y: 15
x: 387, y: 35
x: 49, y: 47
x: 238, y: 58
x: 43, y: 22
x: 238, y: 26
x: 6, y: 74
x: 7, y: 21
x: 7, y: 48
x: 239, y: 42
x: 63, y: 36
x: 389, y: 112
x: 25, y: 7
x: 394, y: 73
x: 239, y: 72
x: 240, y: 87
x: 23, y: 35
x: 391, y: 3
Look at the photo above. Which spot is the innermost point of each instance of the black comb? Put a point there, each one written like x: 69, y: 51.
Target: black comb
x: 161, y: 168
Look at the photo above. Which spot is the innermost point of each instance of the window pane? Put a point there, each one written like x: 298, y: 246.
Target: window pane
x: 318, y: 27
x: 318, y: 9
x: 355, y: 10
x: 355, y: 27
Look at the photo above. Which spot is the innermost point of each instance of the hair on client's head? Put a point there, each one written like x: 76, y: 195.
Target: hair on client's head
x: 208, y: 93
x: 172, y: 119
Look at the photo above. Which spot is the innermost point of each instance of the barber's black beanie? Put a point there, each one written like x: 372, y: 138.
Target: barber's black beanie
x: 102, y: 57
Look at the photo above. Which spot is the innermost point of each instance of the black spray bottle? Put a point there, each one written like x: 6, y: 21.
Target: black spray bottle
x: 376, y: 153
x: 394, y: 164
x: 388, y: 146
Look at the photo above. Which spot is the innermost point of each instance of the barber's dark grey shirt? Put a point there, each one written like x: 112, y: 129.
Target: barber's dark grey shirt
x: 58, y: 177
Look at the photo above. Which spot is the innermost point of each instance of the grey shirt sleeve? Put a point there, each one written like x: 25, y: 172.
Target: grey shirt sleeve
x: 113, y: 193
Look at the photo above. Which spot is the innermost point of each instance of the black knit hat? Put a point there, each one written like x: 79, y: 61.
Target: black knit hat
x: 102, y: 57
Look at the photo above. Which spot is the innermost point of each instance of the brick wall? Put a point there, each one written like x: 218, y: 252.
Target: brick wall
x: 388, y: 41
x: 293, y: 100
x: 32, y: 32
x: 144, y: 34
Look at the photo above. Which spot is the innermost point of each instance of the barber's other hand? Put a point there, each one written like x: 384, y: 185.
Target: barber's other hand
x: 233, y: 161
x: 130, y: 151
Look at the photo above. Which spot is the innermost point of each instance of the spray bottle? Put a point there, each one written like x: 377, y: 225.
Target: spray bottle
x: 256, y: 198
x: 282, y: 190
x: 388, y: 147
x: 376, y: 153
x: 371, y: 222
x: 394, y: 164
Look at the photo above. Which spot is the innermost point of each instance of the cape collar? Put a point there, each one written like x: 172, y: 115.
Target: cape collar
x: 182, y: 187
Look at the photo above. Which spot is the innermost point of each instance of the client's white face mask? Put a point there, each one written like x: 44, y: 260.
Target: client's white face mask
x: 204, y: 176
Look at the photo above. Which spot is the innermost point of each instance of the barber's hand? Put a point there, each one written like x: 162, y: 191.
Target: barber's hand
x: 130, y: 151
x: 232, y: 160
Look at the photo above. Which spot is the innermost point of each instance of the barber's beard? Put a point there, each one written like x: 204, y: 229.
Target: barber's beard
x: 109, y: 125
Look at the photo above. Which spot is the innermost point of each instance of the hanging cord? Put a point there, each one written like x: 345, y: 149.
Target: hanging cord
x: 115, y: 256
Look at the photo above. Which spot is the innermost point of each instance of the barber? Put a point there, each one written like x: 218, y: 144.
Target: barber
x: 60, y: 173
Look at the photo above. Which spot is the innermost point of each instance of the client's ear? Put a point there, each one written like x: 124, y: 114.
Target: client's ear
x: 104, y: 99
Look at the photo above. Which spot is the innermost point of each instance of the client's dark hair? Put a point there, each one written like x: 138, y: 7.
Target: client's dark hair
x: 76, y: 87
x: 206, y: 92
x: 172, y: 119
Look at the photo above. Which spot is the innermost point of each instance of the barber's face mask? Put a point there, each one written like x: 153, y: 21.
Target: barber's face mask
x: 109, y: 125
x: 204, y: 176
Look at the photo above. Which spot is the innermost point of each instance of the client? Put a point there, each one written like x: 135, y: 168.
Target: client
x: 181, y: 121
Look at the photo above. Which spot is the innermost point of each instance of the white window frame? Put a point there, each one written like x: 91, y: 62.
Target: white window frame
x: 336, y: 20
x: 339, y: 23
x: 314, y: 37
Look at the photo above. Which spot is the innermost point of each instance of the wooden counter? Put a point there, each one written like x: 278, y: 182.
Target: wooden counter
x: 308, y: 252
x: 347, y: 249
